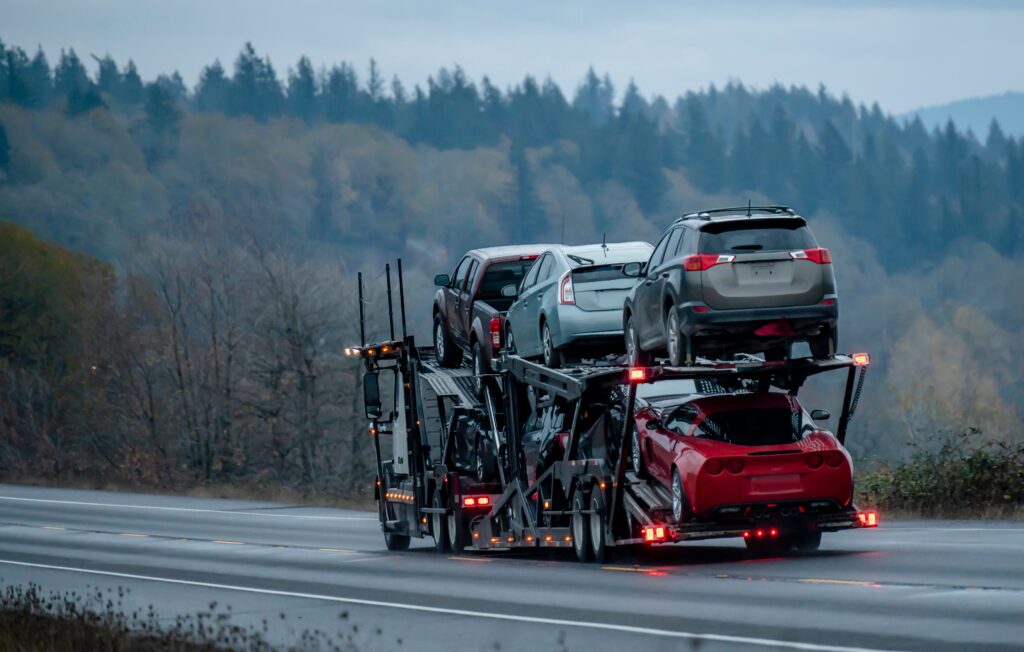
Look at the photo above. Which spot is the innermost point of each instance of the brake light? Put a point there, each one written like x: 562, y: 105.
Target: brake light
x: 819, y: 255
x: 868, y: 519
x: 701, y: 262
x: 714, y: 467
x: 637, y: 375
x: 476, y: 501
x: 861, y: 359
x: 735, y: 465
x: 833, y: 458
x: 565, y: 292
x: 496, y: 332
x: 653, y: 533
x: 814, y: 460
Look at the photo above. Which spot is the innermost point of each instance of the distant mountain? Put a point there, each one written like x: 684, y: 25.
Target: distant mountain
x: 976, y: 113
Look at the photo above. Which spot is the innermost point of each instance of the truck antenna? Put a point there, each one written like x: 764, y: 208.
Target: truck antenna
x: 401, y: 297
x: 391, y: 311
x: 604, y: 240
x: 563, y: 227
x: 362, y: 320
x: 748, y: 207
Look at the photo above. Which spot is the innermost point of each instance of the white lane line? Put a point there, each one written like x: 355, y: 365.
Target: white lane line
x: 630, y: 629
x: 189, y: 509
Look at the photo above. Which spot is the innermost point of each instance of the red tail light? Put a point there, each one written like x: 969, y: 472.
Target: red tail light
x: 566, y: 296
x: 637, y: 375
x: 476, y: 501
x: 714, y: 467
x: 868, y: 519
x: 496, y: 332
x: 819, y: 255
x: 653, y: 533
x: 814, y: 460
x: 861, y: 359
x: 833, y: 458
x: 735, y: 465
x: 701, y: 262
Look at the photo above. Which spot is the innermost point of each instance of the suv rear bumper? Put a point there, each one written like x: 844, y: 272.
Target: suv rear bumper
x: 804, y: 320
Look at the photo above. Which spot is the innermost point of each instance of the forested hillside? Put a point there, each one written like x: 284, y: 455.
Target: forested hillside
x: 315, y: 173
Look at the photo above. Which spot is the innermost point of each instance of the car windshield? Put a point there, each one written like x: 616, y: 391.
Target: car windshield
x: 666, y: 389
x: 752, y: 426
x: 741, y: 240
x: 498, y: 275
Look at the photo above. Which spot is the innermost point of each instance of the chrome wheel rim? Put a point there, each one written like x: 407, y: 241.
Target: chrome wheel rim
x: 548, y: 347
x: 438, y: 524
x: 677, y: 499
x: 636, y: 452
x: 478, y: 368
x: 631, y: 344
x: 673, y: 336
x: 510, y: 342
x: 452, y: 528
x: 577, y: 525
x: 439, y: 340
x: 595, y: 522
x: 479, y: 462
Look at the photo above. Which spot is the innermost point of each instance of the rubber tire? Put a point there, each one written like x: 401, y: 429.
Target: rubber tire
x: 635, y: 356
x: 677, y: 357
x: 478, y: 363
x: 767, y: 547
x: 552, y: 356
x: 483, y: 464
x: 580, y: 526
x: 684, y: 502
x: 598, y: 543
x: 636, y: 460
x: 510, y: 342
x: 439, y: 525
x: 396, y: 542
x: 824, y: 345
x: 779, y: 352
x: 448, y: 354
x: 808, y: 542
x: 456, y: 531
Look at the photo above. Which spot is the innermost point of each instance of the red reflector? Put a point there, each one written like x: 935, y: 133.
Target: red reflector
x: 701, y: 309
x: 496, y: 332
x: 746, y: 535
x: 760, y: 534
x: 714, y: 467
x: 828, y: 302
x: 861, y: 359
x: 735, y: 465
x: 833, y: 458
x: 638, y: 375
x: 774, y: 532
x: 814, y: 460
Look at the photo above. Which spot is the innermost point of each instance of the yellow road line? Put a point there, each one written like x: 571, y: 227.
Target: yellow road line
x: 813, y: 580
x: 230, y: 543
x: 133, y: 534
x: 628, y: 569
x: 471, y: 559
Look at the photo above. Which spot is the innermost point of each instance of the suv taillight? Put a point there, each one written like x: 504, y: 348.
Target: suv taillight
x: 566, y: 296
x: 496, y: 332
x: 818, y: 255
x: 701, y: 262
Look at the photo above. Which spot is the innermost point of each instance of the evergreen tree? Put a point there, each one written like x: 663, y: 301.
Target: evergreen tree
x: 703, y: 153
x: 633, y: 102
x: 524, y: 214
x: 131, y: 91
x: 19, y: 88
x: 39, y: 80
x: 594, y: 98
x: 213, y: 89
x: 70, y: 74
x: 5, y: 149
x: 108, y: 78
x: 302, y: 96
x: 255, y: 89
x: 163, y: 122
x: 80, y: 102
x: 996, y: 141
x: 341, y: 93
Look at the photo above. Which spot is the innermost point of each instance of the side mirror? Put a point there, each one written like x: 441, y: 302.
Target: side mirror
x: 510, y: 291
x: 633, y: 270
x: 442, y: 280
x: 371, y: 396
x: 821, y: 415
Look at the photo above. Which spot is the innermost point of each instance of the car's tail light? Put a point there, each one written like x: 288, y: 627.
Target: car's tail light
x: 735, y: 465
x: 814, y: 460
x: 496, y: 332
x: 700, y: 308
x: 818, y: 255
x: 701, y: 262
x: 833, y: 458
x: 714, y: 467
x: 566, y: 296
x: 868, y: 519
x: 476, y: 501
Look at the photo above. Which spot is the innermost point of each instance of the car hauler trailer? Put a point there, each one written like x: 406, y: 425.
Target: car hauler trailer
x: 587, y: 498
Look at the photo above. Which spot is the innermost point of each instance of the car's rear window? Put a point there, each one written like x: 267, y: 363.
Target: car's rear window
x: 594, y: 273
x: 752, y: 426
x: 752, y: 240
x: 498, y: 275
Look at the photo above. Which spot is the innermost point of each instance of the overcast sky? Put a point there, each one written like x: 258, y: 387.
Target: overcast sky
x: 903, y: 53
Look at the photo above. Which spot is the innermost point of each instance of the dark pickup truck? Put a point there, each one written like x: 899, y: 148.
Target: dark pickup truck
x: 469, y: 308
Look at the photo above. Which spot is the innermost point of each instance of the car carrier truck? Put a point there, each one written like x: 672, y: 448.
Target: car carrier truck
x: 586, y: 497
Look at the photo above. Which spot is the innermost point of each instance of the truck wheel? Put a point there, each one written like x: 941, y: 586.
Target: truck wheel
x: 807, y: 542
x: 580, y: 526
x: 824, y: 344
x: 766, y: 547
x: 680, y: 503
x: 483, y: 464
x: 678, y: 345
x: 456, y: 530
x: 438, y: 525
x: 395, y: 541
x: 637, y: 356
x: 598, y: 543
x: 448, y: 354
x: 552, y: 356
x: 478, y: 371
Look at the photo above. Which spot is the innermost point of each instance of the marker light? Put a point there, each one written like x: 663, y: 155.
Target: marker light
x: 861, y: 359
x: 638, y: 375
x: 476, y: 501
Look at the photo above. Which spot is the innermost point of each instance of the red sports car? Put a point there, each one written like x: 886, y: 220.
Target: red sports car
x: 720, y: 454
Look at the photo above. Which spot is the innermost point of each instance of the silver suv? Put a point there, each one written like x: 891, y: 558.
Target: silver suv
x: 732, y: 280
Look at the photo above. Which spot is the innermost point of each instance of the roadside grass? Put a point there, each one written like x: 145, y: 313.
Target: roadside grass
x: 961, y: 476
x: 31, y: 621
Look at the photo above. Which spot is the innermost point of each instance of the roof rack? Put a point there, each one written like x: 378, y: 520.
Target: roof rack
x: 739, y: 210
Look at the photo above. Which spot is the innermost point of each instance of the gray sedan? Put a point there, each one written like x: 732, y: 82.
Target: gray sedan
x: 570, y: 302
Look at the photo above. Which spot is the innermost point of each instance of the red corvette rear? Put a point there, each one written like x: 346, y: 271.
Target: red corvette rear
x: 731, y: 454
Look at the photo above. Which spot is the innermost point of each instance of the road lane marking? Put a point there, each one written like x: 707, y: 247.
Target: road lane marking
x: 133, y: 534
x: 229, y: 543
x: 51, y: 527
x: 814, y: 580
x: 189, y: 509
x: 336, y: 550
x: 458, y: 558
x: 558, y: 622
